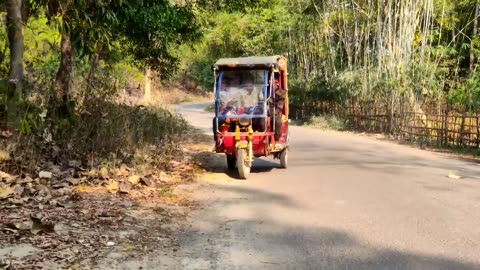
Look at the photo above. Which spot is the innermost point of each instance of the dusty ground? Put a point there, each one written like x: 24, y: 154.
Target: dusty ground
x: 95, y: 220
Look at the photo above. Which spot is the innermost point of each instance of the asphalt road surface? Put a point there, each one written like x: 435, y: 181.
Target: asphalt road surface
x: 344, y: 202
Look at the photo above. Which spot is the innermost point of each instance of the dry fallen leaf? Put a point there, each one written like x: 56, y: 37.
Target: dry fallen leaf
x: 18, y: 189
x: 74, y: 181
x: 56, y: 170
x: 11, y: 227
x: 74, y: 163
x: 18, y: 201
x: 91, y: 173
x: 6, y: 133
x: 16, y: 227
x: 11, y: 179
x: 112, y: 186
x: 123, y: 170
x: 104, y: 173
x: 27, y: 179
x: 147, y: 181
x: 126, y: 204
x: 6, y: 191
x: 5, y: 264
x: 44, y: 191
x: 38, y: 226
x: 4, y: 156
x: 134, y: 179
x: 124, y: 187
x: 65, y: 204
x: 4, y: 175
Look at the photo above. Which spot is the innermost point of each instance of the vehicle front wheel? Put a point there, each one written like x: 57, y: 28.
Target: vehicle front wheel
x: 284, y: 159
x: 231, y: 162
x: 242, y: 164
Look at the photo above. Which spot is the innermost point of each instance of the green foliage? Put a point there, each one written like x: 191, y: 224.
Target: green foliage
x: 467, y: 95
x: 232, y: 5
x: 41, y: 54
x: 326, y: 122
x: 158, y: 28
x: 232, y: 32
x: 4, y: 53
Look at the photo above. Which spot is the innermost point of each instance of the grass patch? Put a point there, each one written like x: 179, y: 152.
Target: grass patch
x: 468, y: 152
x: 210, y: 108
x: 97, y: 133
x: 325, y: 122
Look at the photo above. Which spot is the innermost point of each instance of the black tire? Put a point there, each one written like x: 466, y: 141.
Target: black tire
x: 243, y: 168
x: 284, y: 159
x: 231, y: 162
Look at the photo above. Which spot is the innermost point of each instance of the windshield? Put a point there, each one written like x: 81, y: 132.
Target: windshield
x: 241, y: 93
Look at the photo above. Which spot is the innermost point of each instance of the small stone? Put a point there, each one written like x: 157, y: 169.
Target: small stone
x: 45, y: 175
x: 56, y: 170
x: 73, y: 181
x: 74, y: 163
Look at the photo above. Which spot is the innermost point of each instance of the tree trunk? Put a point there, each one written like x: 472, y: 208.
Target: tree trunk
x: 475, y: 32
x: 15, y: 37
x: 64, y: 78
x: 148, y: 84
x: 94, y: 61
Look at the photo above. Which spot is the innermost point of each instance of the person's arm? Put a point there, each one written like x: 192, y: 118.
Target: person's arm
x: 280, y: 96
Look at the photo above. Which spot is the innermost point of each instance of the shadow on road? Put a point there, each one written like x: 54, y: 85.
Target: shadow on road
x: 260, y: 240
x: 216, y: 163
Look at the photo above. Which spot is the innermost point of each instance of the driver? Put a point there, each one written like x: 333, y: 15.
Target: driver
x: 254, y: 94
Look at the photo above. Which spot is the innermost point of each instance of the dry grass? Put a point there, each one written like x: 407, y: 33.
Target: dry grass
x: 99, y: 133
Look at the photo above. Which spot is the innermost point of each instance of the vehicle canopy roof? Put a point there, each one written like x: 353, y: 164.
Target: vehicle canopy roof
x: 278, y: 62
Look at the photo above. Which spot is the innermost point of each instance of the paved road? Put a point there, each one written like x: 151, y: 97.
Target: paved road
x: 345, y: 202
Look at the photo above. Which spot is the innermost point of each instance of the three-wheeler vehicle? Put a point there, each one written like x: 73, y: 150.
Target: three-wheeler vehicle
x: 246, y: 118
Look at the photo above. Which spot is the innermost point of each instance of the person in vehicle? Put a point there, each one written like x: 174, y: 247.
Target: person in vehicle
x: 225, y: 86
x: 253, y: 93
x: 276, y: 104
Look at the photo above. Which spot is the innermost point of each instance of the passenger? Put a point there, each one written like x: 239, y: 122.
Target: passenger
x: 225, y: 87
x: 276, y: 105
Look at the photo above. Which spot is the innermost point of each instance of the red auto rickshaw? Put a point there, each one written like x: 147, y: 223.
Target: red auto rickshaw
x: 244, y: 129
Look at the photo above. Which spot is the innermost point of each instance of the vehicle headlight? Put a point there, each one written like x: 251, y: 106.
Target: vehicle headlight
x: 244, y: 121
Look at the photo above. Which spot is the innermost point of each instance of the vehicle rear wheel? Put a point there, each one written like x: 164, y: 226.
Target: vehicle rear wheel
x: 284, y: 159
x: 242, y: 165
x: 231, y: 162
